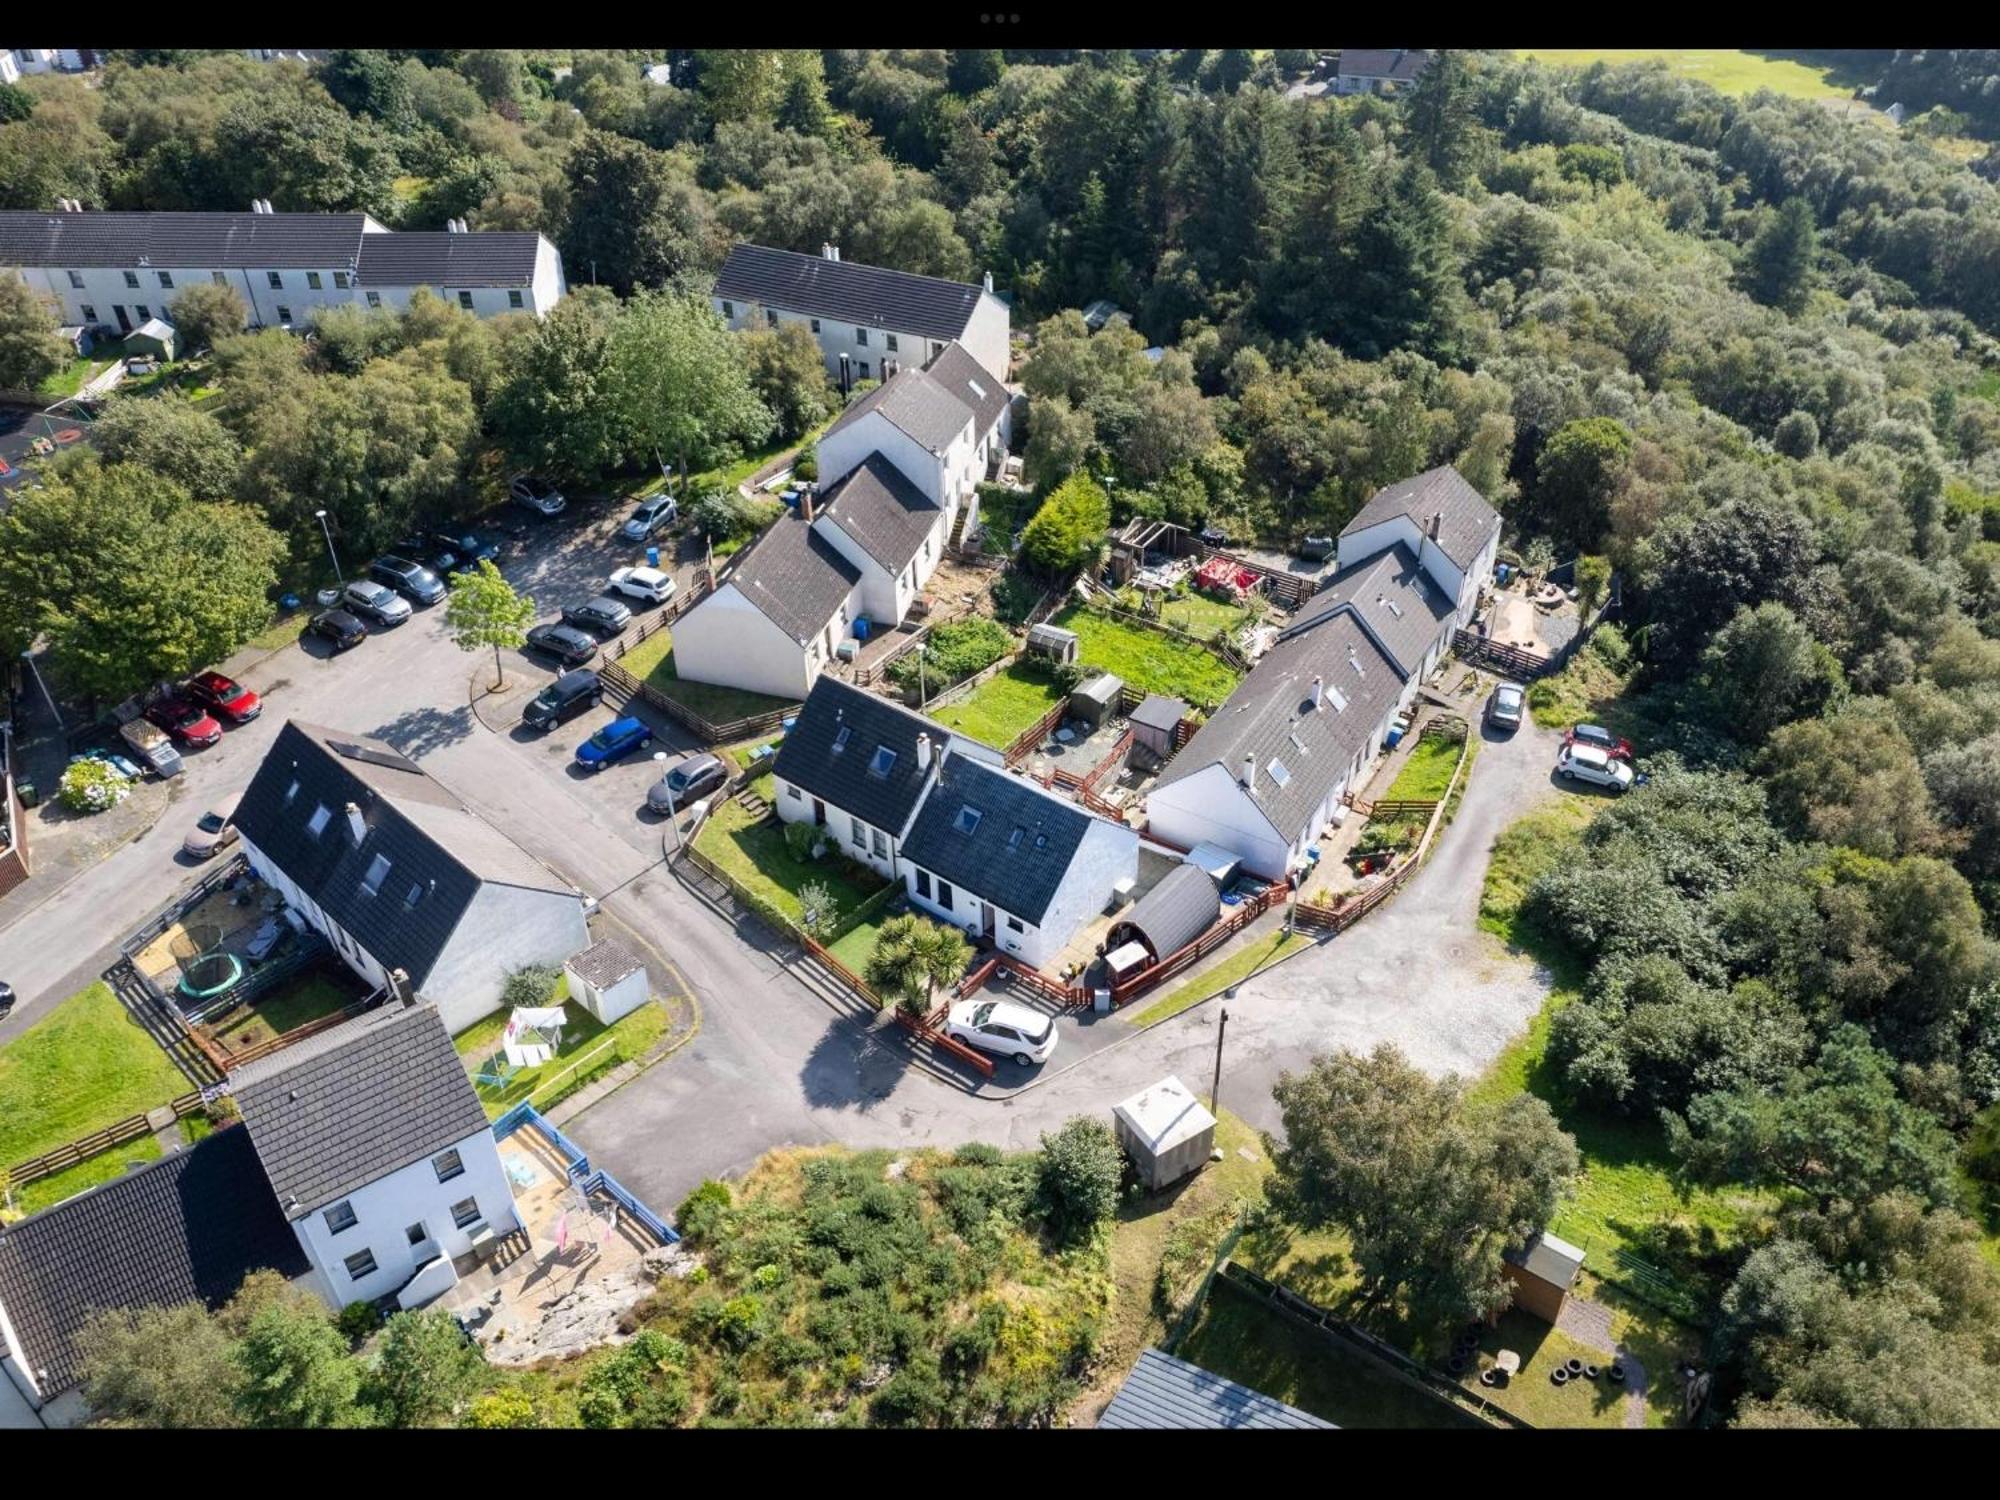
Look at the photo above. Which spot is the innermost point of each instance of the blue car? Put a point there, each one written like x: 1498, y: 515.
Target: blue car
x: 618, y: 738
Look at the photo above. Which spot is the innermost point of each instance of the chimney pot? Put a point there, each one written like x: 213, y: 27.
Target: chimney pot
x: 923, y: 752
x: 356, y: 824
x: 1319, y: 692
x: 988, y: 281
x: 1437, y: 523
x: 1250, y: 773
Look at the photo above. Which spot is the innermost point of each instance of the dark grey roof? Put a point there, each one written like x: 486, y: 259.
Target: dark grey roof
x: 348, y: 1107
x: 796, y: 577
x: 1549, y: 1259
x: 1019, y: 875
x: 1466, y: 522
x: 922, y: 407
x: 187, y: 1228
x: 807, y: 759
x: 439, y: 258
x: 1272, y: 708
x: 982, y: 392
x: 869, y: 296
x: 605, y: 962
x: 217, y: 241
x: 1399, y: 603
x: 1159, y: 712
x: 435, y: 846
x: 1176, y: 911
x: 1164, y: 1392
x: 1397, y: 63
x: 887, y: 516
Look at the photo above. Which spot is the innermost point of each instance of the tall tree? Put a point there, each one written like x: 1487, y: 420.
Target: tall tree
x: 555, y: 413
x: 1576, y: 476
x: 788, y: 372
x: 173, y: 438
x: 368, y: 83
x: 680, y: 384
x: 296, y: 1370
x: 634, y: 220
x: 157, y: 1367
x: 1441, y: 119
x: 974, y: 69
x: 484, y: 610
x: 427, y: 1369
x: 206, y: 312
x: 30, y: 348
x: 1779, y: 265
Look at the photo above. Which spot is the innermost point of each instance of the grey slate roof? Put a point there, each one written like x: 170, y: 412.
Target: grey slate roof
x: 982, y: 392
x: 796, y: 577
x: 187, y: 1228
x: 605, y: 962
x: 432, y: 842
x: 1273, y: 705
x: 1399, y: 64
x: 1548, y: 1259
x: 440, y: 258
x: 348, y: 1107
x: 868, y: 296
x: 921, y: 406
x: 1402, y: 607
x: 1466, y: 521
x: 217, y: 241
x: 1164, y: 1392
x: 1176, y: 911
x: 1159, y: 712
x: 807, y: 759
x: 1021, y: 875
x: 886, y: 515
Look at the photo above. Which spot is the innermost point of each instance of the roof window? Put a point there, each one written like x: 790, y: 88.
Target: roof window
x: 1298, y: 744
x: 840, y: 737
x: 1333, y: 696
x: 316, y: 824
x: 1014, y: 838
x: 1278, y: 772
x: 968, y: 818
x: 378, y: 871
x: 882, y: 762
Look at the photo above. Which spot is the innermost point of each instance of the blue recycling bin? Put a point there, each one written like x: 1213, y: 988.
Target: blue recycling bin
x: 1502, y: 572
x: 652, y: 557
x: 861, y: 628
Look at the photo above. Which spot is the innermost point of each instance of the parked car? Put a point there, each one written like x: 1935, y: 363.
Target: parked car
x: 1587, y: 763
x: 652, y: 514
x: 339, y: 627
x: 215, y: 832
x: 565, y: 698
x: 380, y: 604
x: 1603, y: 739
x: 188, y: 722
x: 1001, y: 1026
x: 649, y: 584
x: 230, y: 700
x: 618, y: 738
x: 1213, y: 534
x: 412, y: 580
x: 537, y: 495
x: 6, y: 1001
x: 446, y: 552
x: 567, y: 644
x: 604, y: 614
x: 1504, y: 708
x: 689, y: 779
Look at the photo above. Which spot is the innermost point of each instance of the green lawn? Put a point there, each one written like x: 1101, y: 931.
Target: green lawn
x: 1232, y: 970
x: 1524, y: 849
x: 652, y: 662
x: 1726, y: 70
x: 70, y: 378
x: 281, y: 632
x: 745, y: 754
x: 84, y: 1066
x: 1200, y: 615
x: 590, y: 1047
x: 313, y: 996
x: 731, y: 475
x: 1001, y: 708
x: 46, y: 1192
x: 1147, y: 659
x: 753, y: 850
x: 1241, y: 1340
x: 1426, y: 775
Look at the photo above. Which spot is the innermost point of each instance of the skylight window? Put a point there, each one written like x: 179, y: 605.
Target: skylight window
x: 316, y: 824
x: 416, y: 893
x: 882, y: 762
x: 1014, y: 838
x: 291, y: 791
x: 840, y: 737
x: 1333, y: 696
x: 977, y: 389
x: 1278, y: 772
x: 378, y: 871
x: 1355, y: 662
x: 968, y: 818
x: 1298, y: 744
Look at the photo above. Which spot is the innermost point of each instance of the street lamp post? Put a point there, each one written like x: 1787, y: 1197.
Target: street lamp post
x: 327, y: 531
x: 1215, y: 1092
x: 844, y: 384
x: 923, y: 679
x: 673, y: 812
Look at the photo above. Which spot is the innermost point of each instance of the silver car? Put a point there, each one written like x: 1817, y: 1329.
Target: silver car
x: 537, y: 495
x: 691, y: 779
x: 215, y: 832
x: 382, y: 605
x: 1503, y: 709
x: 653, y: 512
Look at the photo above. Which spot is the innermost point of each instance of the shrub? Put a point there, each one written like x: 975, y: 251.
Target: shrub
x: 953, y: 651
x: 1068, y: 531
x: 1014, y: 597
x: 1078, y: 1172
x: 740, y: 1321
x: 93, y: 786
x: 807, y: 466
x: 727, y: 515
x: 914, y: 1397
x: 530, y: 986
x: 359, y: 1319
x: 805, y: 841
x: 819, y: 907
x: 701, y: 1213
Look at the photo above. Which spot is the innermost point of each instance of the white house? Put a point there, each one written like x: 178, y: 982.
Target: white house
x: 40, y: 60
x: 869, y: 314
x: 1019, y: 867
x: 396, y: 873
x: 1379, y: 70
x: 897, y: 473
x: 119, y: 269
x: 378, y: 1150
x: 1262, y: 776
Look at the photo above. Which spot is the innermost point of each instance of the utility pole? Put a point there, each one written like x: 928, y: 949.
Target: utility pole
x: 1215, y: 1092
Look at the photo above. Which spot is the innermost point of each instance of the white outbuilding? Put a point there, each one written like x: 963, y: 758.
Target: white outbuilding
x: 608, y: 979
x: 1165, y: 1131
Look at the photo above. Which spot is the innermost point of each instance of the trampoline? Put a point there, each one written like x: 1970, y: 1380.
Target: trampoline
x: 210, y: 975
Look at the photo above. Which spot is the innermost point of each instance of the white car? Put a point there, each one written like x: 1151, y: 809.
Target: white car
x: 537, y: 495
x: 649, y: 584
x: 1589, y: 764
x: 652, y: 513
x: 1001, y: 1026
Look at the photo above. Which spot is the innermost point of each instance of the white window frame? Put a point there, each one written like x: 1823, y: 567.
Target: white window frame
x: 76, y: 279
x: 218, y: 278
x: 131, y: 278
x: 275, y: 280
x: 465, y: 301
x: 312, y: 282
x: 860, y: 338
x: 340, y: 281
x: 321, y: 816
x: 374, y: 299
x: 515, y: 299
x: 166, y: 280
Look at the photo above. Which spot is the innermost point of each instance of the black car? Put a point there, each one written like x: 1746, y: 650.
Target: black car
x: 446, y: 552
x: 6, y: 1000
x: 569, y: 695
x: 603, y: 614
x: 567, y: 644
x: 413, y: 581
x: 339, y: 627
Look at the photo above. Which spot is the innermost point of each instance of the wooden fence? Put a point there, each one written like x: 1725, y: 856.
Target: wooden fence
x: 230, y: 1061
x: 1030, y: 739
x: 1185, y: 958
x: 131, y: 1128
x: 1482, y: 651
x: 622, y: 686
x: 1289, y: 589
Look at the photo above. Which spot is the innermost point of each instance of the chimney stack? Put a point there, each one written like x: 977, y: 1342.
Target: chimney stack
x: 829, y: 252
x: 1437, y: 523
x: 988, y: 281
x: 401, y: 988
x: 806, y: 503
x: 356, y: 824
x: 1319, y: 692
x: 923, y: 752
x: 1250, y: 774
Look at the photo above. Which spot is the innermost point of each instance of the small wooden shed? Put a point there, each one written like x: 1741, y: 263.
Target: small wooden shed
x: 1165, y: 1131
x: 156, y: 337
x: 1096, y: 700
x: 1154, y: 722
x: 1543, y: 1270
x: 1053, y: 642
x: 608, y: 979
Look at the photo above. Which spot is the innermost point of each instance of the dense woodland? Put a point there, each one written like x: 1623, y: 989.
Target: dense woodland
x: 1744, y: 349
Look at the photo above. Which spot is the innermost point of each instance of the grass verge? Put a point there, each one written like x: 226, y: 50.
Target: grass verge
x: 752, y: 849
x: 1233, y: 970
x: 652, y: 662
x: 46, y: 1192
x: 589, y: 1048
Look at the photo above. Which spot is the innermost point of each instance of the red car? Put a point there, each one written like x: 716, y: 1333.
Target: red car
x: 1601, y: 739
x: 224, y: 696
x: 187, y: 722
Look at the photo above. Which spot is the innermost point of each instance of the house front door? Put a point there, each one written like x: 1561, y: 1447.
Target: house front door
x: 986, y: 918
x: 819, y: 812
x: 124, y: 319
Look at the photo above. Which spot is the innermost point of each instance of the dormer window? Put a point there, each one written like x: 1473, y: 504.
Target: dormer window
x: 968, y: 818
x: 316, y: 824
x: 378, y: 871
x: 882, y: 762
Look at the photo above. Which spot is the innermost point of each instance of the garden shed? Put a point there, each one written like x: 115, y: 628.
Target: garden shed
x: 1053, y: 642
x: 608, y: 979
x: 1154, y: 722
x: 1542, y: 1271
x: 1173, y: 913
x: 155, y: 336
x: 1097, y: 699
x: 1165, y: 1131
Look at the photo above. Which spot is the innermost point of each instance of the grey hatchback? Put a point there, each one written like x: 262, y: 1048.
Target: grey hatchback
x: 1503, y: 709
x: 694, y: 777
